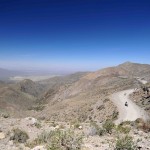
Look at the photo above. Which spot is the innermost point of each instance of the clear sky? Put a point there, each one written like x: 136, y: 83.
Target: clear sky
x: 73, y: 34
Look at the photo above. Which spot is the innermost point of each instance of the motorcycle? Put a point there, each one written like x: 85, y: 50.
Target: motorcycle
x: 126, y: 104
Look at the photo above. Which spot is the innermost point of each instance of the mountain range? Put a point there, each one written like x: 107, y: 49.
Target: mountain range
x: 83, y: 95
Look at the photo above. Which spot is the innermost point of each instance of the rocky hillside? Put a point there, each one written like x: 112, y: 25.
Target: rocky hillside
x: 60, y: 80
x: 90, y: 91
x: 74, y: 109
x: 82, y: 95
x: 142, y: 97
x: 14, y: 102
x: 17, y: 98
x: 126, y: 69
x: 33, y: 134
x: 30, y: 87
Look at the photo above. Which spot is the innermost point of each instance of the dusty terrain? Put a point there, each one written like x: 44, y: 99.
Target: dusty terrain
x: 85, y: 100
x: 130, y: 112
x: 91, y: 138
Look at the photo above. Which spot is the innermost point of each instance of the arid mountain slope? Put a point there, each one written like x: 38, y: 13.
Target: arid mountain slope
x: 60, y: 80
x: 30, y: 87
x: 81, y: 96
x: 142, y: 97
x: 90, y: 91
x: 122, y: 75
x: 126, y: 69
x: 17, y: 98
x: 14, y: 102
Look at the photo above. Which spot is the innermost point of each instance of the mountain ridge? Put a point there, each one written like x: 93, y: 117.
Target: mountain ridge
x: 77, y: 91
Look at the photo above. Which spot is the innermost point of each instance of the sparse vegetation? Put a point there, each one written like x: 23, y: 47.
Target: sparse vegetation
x: 123, y: 129
x: 101, y: 107
x: 38, y: 125
x: 75, y: 123
x: 65, y: 140
x: 58, y: 140
x: 37, y: 108
x: 139, y: 120
x: 54, y: 124
x: 5, y: 115
x: 106, y: 100
x: 87, y: 101
x: 142, y: 125
x: 108, y: 126
x: 19, y: 136
x: 126, y: 123
x: 99, y: 130
x: 115, y: 115
x: 125, y: 143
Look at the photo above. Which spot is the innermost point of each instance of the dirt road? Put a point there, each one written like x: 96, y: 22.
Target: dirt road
x: 130, y: 112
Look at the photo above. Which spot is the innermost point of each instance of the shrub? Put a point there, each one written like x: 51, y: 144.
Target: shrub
x: 75, y: 123
x: 43, y: 138
x: 36, y: 108
x: 65, y: 140
x: 126, y: 123
x: 38, y: 125
x: 139, y: 120
x: 106, y: 100
x: 123, y: 129
x: 98, y: 130
x: 5, y: 115
x: 108, y: 126
x: 53, y: 124
x: 58, y: 140
x: 115, y: 115
x: 145, y: 126
x: 19, y: 136
x: 125, y: 143
x: 41, y: 118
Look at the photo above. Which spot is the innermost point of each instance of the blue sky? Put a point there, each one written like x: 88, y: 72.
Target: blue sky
x: 73, y: 34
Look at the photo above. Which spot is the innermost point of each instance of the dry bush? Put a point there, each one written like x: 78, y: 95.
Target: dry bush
x: 58, y: 140
x: 146, y: 127
x: 97, y: 130
x: 19, y: 136
x: 5, y: 115
x: 123, y: 129
x: 108, y: 126
x: 140, y: 124
x: 125, y: 143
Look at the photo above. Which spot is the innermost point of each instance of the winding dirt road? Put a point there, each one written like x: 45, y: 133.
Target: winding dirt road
x: 130, y: 113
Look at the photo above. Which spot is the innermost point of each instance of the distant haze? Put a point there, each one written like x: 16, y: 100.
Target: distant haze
x: 18, y: 75
x: 33, y: 78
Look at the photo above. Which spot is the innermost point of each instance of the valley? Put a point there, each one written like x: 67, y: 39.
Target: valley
x: 83, y: 102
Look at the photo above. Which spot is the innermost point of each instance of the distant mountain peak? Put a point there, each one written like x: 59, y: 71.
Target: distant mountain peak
x: 127, y: 62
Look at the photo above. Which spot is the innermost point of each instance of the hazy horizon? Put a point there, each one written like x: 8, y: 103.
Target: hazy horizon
x: 69, y: 36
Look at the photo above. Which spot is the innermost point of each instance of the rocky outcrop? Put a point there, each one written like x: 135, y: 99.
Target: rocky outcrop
x: 2, y: 135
